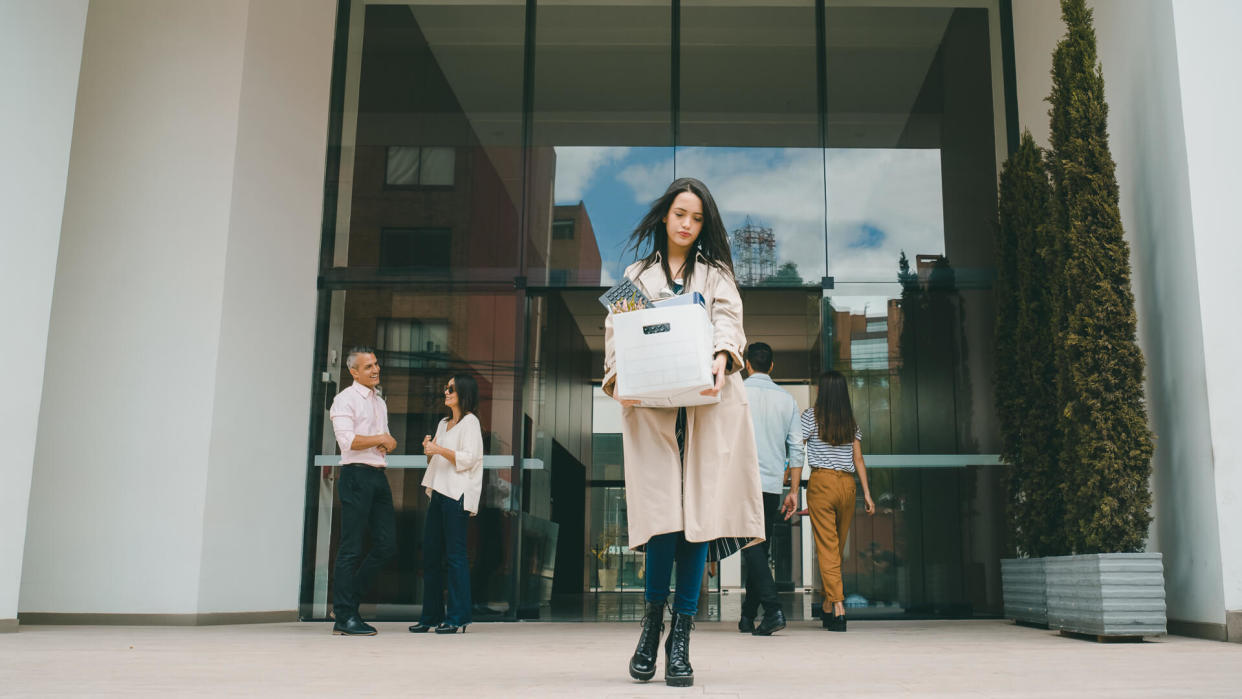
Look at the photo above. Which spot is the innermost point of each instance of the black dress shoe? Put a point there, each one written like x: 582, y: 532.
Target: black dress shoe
x: 643, y: 661
x: 746, y: 624
x: 420, y: 627
x: 446, y: 627
x: 353, y: 626
x: 771, y: 624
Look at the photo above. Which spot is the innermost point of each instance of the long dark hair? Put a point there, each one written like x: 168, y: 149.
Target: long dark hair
x: 833, y: 415
x: 467, y: 393
x: 712, y: 243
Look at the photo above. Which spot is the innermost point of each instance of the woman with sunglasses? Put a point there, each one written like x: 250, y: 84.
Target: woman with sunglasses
x: 454, y: 480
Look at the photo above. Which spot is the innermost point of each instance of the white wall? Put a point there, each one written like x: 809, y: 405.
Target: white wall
x: 40, y: 55
x: 1139, y: 55
x: 1209, y: 56
x: 171, y: 447
x: 258, y: 467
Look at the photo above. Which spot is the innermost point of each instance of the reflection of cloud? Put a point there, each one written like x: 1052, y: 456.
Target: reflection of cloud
x: 778, y: 187
x: 576, y: 166
x: 894, y: 190
x: 868, y: 237
x: 879, y: 201
x: 606, y: 278
x: 648, y: 181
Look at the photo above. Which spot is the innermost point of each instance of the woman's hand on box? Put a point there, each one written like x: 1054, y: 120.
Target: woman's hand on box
x: 719, y: 366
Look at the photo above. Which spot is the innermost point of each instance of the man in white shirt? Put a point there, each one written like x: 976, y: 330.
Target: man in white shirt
x: 360, y: 421
x: 777, y: 438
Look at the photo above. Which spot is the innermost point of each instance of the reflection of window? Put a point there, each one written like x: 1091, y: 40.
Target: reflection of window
x: 871, y: 353
x: 877, y: 325
x: 563, y: 229
x: 414, y: 248
x: 558, y: 277
x: 407, y: 343
x: 415, y: 166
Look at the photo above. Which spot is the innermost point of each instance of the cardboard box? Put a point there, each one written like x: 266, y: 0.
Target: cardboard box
x: 664, y: 355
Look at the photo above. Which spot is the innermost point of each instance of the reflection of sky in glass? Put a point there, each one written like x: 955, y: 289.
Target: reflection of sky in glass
x: 880, y: 201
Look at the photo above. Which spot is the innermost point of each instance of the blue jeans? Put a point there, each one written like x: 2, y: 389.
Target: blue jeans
x: 444, y: 551
x: 691, y: 559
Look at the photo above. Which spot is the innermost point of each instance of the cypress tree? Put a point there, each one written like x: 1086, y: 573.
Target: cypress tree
x: 1106, y: 445
x: 1026, y: 398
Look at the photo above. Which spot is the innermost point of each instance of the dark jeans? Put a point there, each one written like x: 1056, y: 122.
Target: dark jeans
x: 760, y: 587
x: 691, y: 558
x: 444, y: 550
x: 366, y: 502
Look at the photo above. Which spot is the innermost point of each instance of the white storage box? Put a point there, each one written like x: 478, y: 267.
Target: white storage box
x: 664, y: 355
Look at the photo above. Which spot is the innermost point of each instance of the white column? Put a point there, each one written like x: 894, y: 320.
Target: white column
x: 261, y: 416
x: 40, y: 54
x: 172, y: 441
x: 1209, y: 55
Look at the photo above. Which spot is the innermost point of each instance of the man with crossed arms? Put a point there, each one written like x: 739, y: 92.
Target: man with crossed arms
x: 360, y: 421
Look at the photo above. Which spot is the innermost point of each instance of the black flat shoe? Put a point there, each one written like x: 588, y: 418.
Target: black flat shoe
x: 771, y: 624
x: 420, y: 627
x: 746, y: 624
x: 353, y: 626
x: 450, y: 628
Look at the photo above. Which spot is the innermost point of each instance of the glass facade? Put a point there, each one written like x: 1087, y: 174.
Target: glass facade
x: 487, y: 164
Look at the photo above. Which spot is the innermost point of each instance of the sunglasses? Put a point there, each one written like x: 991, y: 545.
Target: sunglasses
x: 450, y: 389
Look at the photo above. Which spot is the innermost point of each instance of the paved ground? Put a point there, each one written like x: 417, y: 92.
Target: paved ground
x: 875, y: 659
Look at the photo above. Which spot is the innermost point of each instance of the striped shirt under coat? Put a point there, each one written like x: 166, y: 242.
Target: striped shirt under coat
x: 722, y: 503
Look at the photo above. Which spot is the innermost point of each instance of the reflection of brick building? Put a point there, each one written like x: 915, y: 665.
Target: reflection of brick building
x: 573, y: 254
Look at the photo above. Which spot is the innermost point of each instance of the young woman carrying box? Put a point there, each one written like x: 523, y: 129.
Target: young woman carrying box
x: 691, y: 481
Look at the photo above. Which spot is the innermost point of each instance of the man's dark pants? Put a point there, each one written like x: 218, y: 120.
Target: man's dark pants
x: 366, y: 503
x: 760, y: 587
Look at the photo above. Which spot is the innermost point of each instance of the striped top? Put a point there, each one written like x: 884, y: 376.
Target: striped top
x: 820, y: 455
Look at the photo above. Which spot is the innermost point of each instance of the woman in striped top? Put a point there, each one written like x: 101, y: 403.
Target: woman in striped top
x: 834, y: 453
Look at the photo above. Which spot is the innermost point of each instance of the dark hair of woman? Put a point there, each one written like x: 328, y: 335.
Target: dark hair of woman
x: 833, y: 415
x: 467, y: 393
x: 651, y: 235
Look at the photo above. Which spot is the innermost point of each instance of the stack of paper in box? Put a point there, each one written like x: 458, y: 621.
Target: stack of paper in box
x: 664, y: 353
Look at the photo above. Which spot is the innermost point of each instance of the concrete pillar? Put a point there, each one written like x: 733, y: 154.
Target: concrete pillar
x: 1208, y: 56
x: 40, y: 54
x: 171, y: 451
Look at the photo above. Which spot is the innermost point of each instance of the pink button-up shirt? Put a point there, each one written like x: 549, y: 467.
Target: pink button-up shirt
x: 358, y: 410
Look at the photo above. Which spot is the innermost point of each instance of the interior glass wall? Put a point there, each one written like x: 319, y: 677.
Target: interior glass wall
x: 911, y: 171
x: 487, y: 164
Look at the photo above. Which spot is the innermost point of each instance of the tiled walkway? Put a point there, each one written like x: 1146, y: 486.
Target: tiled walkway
x: 876, y: 659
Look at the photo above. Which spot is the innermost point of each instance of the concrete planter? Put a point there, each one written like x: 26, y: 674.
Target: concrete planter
x: 1106, y: 594
x: 1023, y: 590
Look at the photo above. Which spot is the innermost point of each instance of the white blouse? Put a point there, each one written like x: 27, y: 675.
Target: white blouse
x: 466, y: 478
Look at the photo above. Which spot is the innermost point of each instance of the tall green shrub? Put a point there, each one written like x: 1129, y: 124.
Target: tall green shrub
x: 1106, y: 445
x: 1026, y: 397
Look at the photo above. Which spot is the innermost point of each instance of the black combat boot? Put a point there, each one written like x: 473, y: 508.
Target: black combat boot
x: 643, y: 662
x: 677, y: 670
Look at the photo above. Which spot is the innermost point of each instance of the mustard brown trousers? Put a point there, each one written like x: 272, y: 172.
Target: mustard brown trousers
x: 830, y: 500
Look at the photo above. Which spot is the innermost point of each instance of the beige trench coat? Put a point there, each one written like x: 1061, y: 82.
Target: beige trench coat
x: 722, y: 496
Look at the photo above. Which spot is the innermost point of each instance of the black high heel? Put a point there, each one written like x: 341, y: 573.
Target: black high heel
x: 834, y: 622
x: 420, y: 627
x: 446, y: 627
